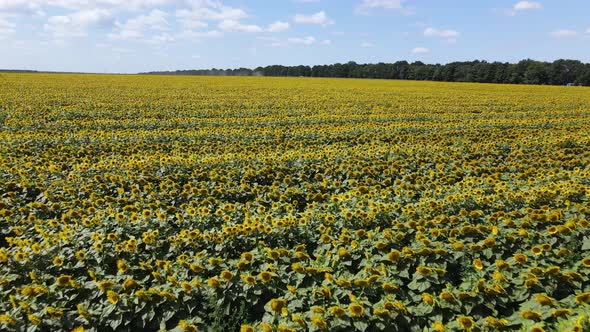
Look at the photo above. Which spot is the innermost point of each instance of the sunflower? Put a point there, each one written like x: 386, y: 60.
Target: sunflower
x: 466, y: 323
x: 281, y: 328
x: 298, y: 320
x: 337, y: 311
x: 586, y: 262
x: 438, y: 327
x: 197, y: 268
x: 20, y: 256
x: 361, y: 283
x: 537, y: 250
x: 7, y: 320
x: 583, y: 298
x: 543, y: 299
x: 58, y: 261
x: 226, y: 275
x: 530, y: 314
x: 35, y: 320
x: 342, y: 252
x: 478, y: 264
x: 277, y: 305
x: 394, y: 255
x: 388, y: 287
x: 447, y: 296
x: 63, y: 280
x: 495, y: 322
x: 265, y: 276
x: 561, y: 312
x: 552, y: 230
x: 248, y: 279
x: 129, y: 285
x: 82, y: 311
x: 537, y: 328
x: 380, y: 312
x: 356, y: 310
x: 188, y: 327
x: 265, y: 327
x: 319, y: 322
x: 428, y: 299
x: 246, y: 328
x: 297, y: 267
x: 112, y: 297
x: 247, y: 256
x: 3, y: 256
x: 122, y: 266
x: 167, y: 295
x: 80, y: 255
x: 423, y: 270
x: 142, y: 294
x: 520, y: 258
x: 105, y: 285
x: 53, y: 312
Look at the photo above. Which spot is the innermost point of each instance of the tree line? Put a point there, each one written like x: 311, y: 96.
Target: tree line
x: 559, y: 72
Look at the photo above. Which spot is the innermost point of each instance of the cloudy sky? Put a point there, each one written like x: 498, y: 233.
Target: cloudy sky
x: 145, y: 35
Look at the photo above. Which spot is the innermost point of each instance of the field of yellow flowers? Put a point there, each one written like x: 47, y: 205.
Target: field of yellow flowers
x: 290, y: 204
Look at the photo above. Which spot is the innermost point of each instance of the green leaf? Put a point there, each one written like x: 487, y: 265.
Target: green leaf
x: 360, y: 325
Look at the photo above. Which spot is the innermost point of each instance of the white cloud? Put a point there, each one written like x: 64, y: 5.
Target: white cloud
x: 20, y: 7
x: 588, y: 31
x: 367, y: 44
x: 192, y: 24
x: 563, y: 33
x: 76, y: 24
x: 305, y: 41
x: 215, y: 13
x: 326, y: 42
x: 278, y: 26
x: 319, y: 18
x: 420, y: 50
x: 115, y: 5
x: 236, y: 26
x: 302, y: 40
x: 6, y: 28
x: 161, y: 39
x: 367, y: 5
x: 134, y: 27
x: 528, y: 5
x: 35, y: 7
x: 448, y: 34
x: 199, y: 35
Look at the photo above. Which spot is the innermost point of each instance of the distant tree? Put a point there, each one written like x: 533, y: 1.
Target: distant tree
x: 536, y: 73
x: 526, y: 71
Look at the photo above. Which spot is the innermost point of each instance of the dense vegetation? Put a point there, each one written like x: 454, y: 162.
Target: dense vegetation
x: 559, y: 72
x: 276, y: 204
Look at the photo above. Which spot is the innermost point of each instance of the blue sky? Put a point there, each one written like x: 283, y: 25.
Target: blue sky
x: 143, y: 35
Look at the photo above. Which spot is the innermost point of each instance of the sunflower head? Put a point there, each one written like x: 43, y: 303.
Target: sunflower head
x: 226, y: 275
x: 466, y: 323
x: 337, y: 311
x: 112, y: 297
x: 265, y: 276
x: 63, y: 280
x: 356, y: 310
x: 530, y: 314
x: 277, y: 305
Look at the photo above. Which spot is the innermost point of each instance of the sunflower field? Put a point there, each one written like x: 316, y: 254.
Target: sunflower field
x: 165, y: 203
